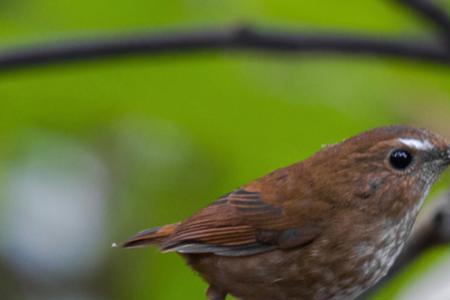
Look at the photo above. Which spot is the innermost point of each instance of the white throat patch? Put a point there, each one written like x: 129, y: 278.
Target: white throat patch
x: 418, y: 144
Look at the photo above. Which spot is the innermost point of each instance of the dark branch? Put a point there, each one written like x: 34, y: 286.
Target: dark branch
x: 245, y: 38
x: 215, y: 40
x: 433, y: 14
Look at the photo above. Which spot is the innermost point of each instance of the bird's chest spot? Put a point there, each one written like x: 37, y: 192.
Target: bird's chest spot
x: 369, y: 262
x: 373, y: 260
x: 378, y: 256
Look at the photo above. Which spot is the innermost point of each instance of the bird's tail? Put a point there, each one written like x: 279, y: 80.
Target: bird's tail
x: 152, y: 236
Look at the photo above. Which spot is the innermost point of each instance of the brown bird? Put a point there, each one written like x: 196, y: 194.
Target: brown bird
x: 328, y: 227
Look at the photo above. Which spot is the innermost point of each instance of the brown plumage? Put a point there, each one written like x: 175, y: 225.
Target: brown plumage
x: 328, y: 227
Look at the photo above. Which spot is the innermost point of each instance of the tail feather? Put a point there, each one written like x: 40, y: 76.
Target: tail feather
x: 152, y: 236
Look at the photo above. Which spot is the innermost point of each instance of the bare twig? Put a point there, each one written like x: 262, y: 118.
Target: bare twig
x: 433, y: 14
x: 213, y: 40
x: 240, y: 38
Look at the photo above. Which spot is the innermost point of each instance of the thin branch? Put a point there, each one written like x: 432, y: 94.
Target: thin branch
x: 241, y: 38
x: 433, y: 14
x: 244, y: 38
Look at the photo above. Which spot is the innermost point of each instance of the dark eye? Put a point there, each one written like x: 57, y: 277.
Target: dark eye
x: 400, y: 159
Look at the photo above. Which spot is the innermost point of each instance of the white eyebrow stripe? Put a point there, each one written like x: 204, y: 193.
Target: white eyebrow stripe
x: 418, y: 144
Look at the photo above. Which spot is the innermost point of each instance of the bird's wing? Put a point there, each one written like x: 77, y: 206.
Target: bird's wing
x: 242, y: 223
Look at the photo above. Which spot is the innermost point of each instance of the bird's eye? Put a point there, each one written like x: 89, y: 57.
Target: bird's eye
x: 400, y: 159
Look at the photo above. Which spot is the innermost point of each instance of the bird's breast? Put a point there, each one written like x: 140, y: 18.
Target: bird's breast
x: 379, y: 255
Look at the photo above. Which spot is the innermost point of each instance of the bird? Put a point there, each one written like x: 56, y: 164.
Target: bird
x: 327, y: 227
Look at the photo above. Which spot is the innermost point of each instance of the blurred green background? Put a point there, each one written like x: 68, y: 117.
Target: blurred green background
x: 93, y: 152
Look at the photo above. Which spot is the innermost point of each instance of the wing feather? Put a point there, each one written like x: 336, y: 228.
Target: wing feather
x: 237, y: 224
